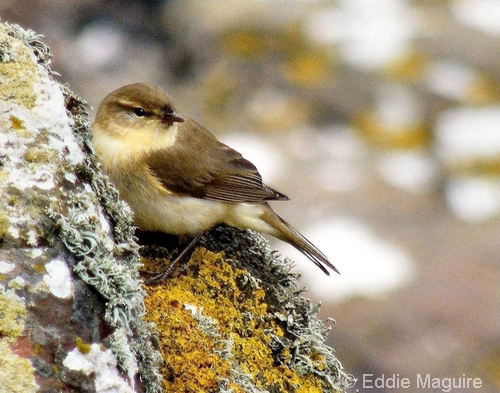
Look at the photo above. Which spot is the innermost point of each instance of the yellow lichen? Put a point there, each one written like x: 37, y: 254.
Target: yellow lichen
x: 82, y: 347
x: 236, y: 305
x: 246, y: 43
x: 389, y: 136
x: 4, y: 225
x: 16, y: 124
x: 409, y: 67
x: 483, y: 91
x: 17, y: 374
x: 308, y: 69
x: 475, y: 166
x: 39, y: 268
x: 19, y: 72
x: 39, y: 154
x: 12, y: 314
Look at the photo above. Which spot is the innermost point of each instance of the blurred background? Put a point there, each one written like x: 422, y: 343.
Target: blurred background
x: 380, y: 119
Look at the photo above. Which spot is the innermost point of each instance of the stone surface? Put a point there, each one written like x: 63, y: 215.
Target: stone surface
x: 68, y: 278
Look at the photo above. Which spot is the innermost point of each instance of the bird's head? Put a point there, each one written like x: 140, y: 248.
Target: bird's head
x: 137, y: 108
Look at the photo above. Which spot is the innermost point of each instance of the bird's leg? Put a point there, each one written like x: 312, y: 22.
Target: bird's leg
x: 168, y: 271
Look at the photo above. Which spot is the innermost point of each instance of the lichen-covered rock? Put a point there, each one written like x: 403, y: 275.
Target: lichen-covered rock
x: 71, y: 303
x: 234, y: 321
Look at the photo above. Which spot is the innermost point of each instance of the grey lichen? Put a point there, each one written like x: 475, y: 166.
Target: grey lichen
x: 109, y: 266
x: 32, y: 40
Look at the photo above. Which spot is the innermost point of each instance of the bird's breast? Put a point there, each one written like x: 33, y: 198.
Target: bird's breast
x: 179, y: 214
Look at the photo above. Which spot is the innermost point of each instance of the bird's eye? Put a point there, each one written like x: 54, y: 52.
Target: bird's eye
x: 139, y: 112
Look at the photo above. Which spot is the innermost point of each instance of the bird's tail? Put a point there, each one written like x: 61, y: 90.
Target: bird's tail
x: 290, y: 235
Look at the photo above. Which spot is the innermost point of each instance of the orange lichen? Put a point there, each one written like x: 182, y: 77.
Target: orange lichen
x: 212, y: 324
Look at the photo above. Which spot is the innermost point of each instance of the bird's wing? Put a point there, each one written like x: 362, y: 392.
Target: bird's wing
x: 198, y: 165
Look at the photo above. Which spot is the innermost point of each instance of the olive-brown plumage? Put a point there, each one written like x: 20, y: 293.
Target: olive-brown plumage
x: 177, y: 177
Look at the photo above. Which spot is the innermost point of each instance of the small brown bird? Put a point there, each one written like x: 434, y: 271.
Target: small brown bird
x: 177, y: 177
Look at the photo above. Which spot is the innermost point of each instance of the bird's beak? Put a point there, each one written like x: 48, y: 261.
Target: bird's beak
x: 171, y: 118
